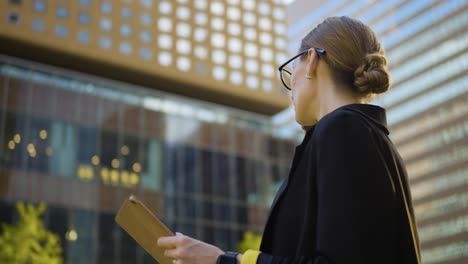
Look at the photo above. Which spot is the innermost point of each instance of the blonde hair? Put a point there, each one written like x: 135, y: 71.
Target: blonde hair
x: 353, y: 53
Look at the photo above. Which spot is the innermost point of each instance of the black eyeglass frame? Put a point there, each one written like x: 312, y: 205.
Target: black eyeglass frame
x: 281, y: 67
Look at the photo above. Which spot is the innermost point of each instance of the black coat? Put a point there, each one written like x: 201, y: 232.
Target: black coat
x: 338, y: 204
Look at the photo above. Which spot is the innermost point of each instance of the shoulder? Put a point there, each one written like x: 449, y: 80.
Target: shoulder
x: 340, y: 123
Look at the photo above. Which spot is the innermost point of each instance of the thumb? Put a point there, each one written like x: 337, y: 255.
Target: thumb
x: 179, y: 234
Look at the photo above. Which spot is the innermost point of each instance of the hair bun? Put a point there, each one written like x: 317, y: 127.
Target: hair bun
x: 372, y: 77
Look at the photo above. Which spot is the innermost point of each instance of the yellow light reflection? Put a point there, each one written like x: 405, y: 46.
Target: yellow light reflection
x: 85, y: 172
x: 125, y: 150
x: 134, y: 179
x: 105, y: 175
x: 32, y: 154
x: 17, y: 138
x: 11, y: 145
x: 115, y: 163
x: 136, y: 167
x: 125, y: 178
x: 114, y: 177
x: 71, y: 235
x: 43, y: 134
x: 95, y: 160
x: 31, y: 147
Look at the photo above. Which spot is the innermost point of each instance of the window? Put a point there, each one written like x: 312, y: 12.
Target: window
x: 13, y: 18
x: 218, y: 40
x: 145, y: 19
x: 200, y: 4
x: 280, y: 28
x: 278, y: 13
x: 61, y: 31
x: 146, y: 3
x: 250, y: 34
x: 83, y: 36
x: 267, y: 85
x: 183, y: 30
x: 84, y: 18
x: 264, y: 8
x: 200, y: 34
x: 183, y: 13
x: 183, y: 46
x: 126, y: 13
x: 217, y: 23
x: 218, y: 56
x: 217, y: 8
x: 145, y: 36
x: 251, y: 49
x: 145, y: 53
x: 105, y: 24
x: 16, y: 2
x: 219, y: 73
x: 165, y: 24
x: 252, y: 82
x: 234, y: 29
x: 265, y: 23
x: 86, y: 3
x: 183, y: 63
x: 248, y: 4
x: 61, y: 12
x: 235, y: 61
x: 125, y: 30
x: 38, y: 25
x: 265, y: 38
x: 125, y: 48
x: 201, y: 18
x: 251, y: 65
x: 165, y: 41
x: 236, y: 77
x: 106, y: 7
x: 235, y: 45
x: 266, y: 54
x: 268, y: 70
x: 165, y: 7
x: 200, y: 52
x: 249, y: 18
x: 105, y: 42
x: 39, y: 6
x: 233, y: 13
x: 165, y: 58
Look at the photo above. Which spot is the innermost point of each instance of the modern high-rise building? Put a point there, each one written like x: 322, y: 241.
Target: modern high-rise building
x: 166, y: 100
x: 426, y: 44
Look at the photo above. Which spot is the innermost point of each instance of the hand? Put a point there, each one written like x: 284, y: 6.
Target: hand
x: 186, y: 250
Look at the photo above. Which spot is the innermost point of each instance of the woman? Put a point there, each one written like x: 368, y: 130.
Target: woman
x: 346, y: 199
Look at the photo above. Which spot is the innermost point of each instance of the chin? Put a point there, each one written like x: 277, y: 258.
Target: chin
x: 304, y: 122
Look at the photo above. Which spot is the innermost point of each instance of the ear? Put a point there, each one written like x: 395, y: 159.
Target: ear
x: 312, y: 62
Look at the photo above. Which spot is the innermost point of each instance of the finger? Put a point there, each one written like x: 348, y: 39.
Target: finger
x: 168, y: 241
x: 175, y: 253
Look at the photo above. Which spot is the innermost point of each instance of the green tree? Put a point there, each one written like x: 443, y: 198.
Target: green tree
x: 249, y: 241
x: 29, y: 241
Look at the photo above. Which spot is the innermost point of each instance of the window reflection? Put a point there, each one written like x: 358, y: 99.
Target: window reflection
x: 95, y: 144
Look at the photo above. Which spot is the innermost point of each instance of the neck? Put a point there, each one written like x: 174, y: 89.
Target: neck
x: 333, y: 97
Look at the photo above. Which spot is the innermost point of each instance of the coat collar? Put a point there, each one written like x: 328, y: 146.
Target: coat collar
x: 374, y: 113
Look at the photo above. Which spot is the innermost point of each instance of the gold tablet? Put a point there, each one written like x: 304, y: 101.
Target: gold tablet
x: 138, y: 221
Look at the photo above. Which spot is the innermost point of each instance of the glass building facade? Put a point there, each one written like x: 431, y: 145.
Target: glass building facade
x: 83, y: 144
x: 427, y: 106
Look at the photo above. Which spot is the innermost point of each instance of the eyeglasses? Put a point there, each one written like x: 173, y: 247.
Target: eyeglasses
x: 286, y: 72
